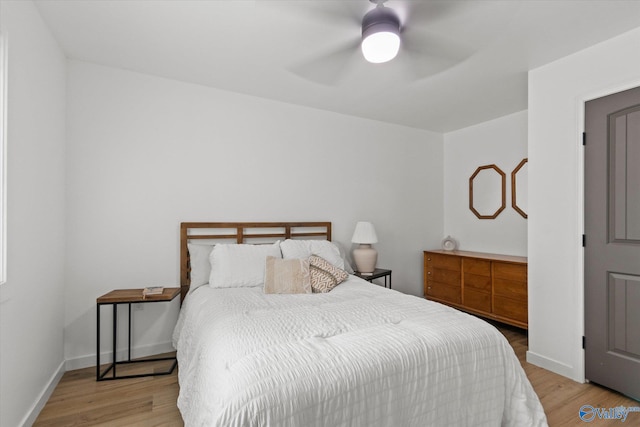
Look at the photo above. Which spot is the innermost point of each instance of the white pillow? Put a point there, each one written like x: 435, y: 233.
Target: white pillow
x: 305, y: 248
x: 343, y: 254
x: 240, y: 265
x: 200, y: 264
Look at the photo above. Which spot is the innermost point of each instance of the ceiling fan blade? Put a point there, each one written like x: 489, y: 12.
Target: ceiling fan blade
x: 448, y: 13
x: 337, y: 12
x: 427, y: 12
x: 430, y: 54
x: 329, y: 68
x: 438, y: 35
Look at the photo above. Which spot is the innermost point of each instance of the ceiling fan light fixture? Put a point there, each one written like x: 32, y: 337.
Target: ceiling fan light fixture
x: 380, y: 35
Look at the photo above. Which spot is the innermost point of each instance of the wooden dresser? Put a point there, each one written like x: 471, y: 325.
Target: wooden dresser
x: 489, y: 285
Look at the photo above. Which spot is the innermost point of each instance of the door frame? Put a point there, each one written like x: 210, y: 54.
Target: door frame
x: 580, y: 109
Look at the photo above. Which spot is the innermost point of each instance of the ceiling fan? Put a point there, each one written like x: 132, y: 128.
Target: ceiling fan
x: 424, y: 38
x: 386, y: 33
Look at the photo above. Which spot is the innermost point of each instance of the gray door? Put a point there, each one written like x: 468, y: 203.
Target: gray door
x: 612, y: 250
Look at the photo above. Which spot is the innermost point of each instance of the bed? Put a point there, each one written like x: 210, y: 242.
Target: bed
x: 359, y: 355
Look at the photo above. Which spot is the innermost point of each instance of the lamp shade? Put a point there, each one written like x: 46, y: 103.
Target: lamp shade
x: 380, y: 35
x: 364, y: 233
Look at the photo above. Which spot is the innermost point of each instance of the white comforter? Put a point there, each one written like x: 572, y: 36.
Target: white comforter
x: 360, y: 355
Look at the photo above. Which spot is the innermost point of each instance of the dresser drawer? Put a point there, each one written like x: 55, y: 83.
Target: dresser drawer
x: 448, y: 277
x: 510, y: 308
x: 445, y: 262
x: 481, y: 283
x: 476, y: 266
x: 477, y: 300
x: 502, y: 270
x: 510, y: 289
x: 444, y: 292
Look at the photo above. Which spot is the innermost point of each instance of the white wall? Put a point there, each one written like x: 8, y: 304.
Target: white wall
x: 502, y: 142
x: 145, y: 153
x: 32, y: 299
x: 557, y: 93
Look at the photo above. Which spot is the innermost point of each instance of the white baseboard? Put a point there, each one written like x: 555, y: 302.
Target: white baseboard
x: 105, y: 357
x: 33, y: 413
x: 85, y: 362
x: 552, y: 365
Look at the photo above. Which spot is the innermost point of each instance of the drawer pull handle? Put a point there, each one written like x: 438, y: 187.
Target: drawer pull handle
x: 428, y: 272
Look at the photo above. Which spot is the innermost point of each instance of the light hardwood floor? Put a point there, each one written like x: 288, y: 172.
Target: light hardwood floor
x: 79, y: 400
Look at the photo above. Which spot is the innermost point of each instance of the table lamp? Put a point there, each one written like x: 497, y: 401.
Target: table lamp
x: 364, y: 255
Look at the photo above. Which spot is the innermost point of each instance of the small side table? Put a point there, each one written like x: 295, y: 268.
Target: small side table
x: 377, y: 273
x: 129, y: 296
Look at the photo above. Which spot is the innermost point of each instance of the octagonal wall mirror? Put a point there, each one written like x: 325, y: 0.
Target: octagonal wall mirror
x: 487, y: 192
x: 520, y: 188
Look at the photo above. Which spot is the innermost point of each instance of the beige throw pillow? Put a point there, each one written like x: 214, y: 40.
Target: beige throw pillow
x: 287, y: 276
x: 324, y: 275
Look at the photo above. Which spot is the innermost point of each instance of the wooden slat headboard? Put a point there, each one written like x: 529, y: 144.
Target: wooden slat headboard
x: 242, y: 232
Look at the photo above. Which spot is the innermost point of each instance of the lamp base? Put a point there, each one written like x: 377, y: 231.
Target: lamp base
x: 365, y: 258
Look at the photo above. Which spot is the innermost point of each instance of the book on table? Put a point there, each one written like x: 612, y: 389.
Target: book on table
x: 152, y: 290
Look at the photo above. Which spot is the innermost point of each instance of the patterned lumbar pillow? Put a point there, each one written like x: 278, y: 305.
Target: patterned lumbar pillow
x: 324, y: 275
x: 287, y: 276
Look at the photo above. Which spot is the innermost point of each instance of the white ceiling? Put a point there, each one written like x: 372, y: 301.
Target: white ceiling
x: 462, y: 62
